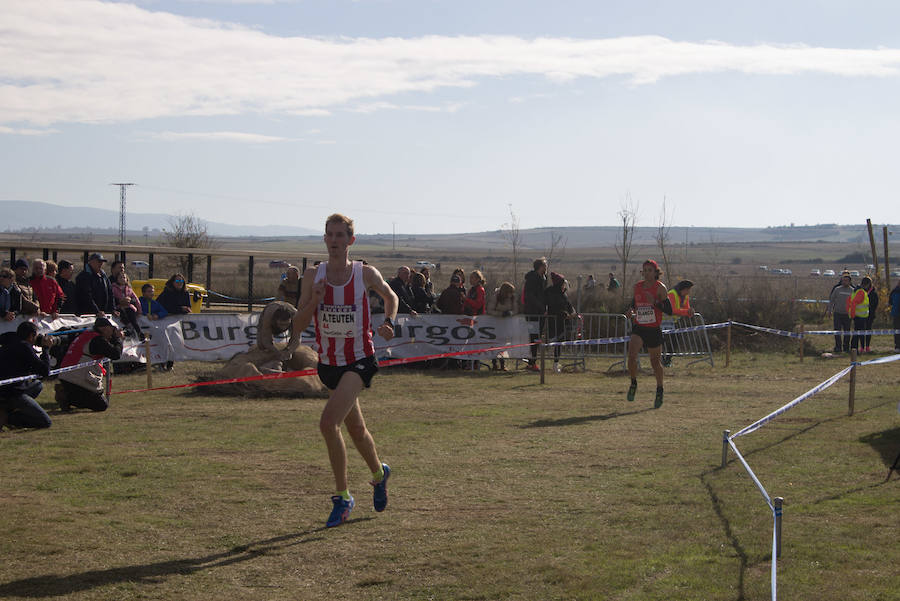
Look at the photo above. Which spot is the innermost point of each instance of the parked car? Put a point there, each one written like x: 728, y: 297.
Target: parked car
x: 828, y: 273
x: 421, y: 264
x: 815, y: 272
x: 870, y: 268
x: 786, y: 271
x: 776, y: 271
x: 854, y: 273
x: 763, y: 268
x: 279, y: 264
x: 895, y: 273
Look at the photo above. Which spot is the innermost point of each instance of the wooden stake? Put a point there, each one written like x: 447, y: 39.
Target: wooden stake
x: 149, y: 362
x: 801, y: 342
x: 728, y: 344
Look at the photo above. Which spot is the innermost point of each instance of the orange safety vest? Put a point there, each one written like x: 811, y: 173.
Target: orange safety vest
x: 675, y: 301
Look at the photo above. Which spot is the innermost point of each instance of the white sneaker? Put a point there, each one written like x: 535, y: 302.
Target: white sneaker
x: 557, y: 368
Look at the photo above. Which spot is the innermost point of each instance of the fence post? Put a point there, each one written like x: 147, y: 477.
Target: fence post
x: 725, y: 436
x: 728, y: 344
x: 543, y: 349
x: 801, y: 342
x: 149, y: 362
x: 778, y: 502
x: 851, y: 401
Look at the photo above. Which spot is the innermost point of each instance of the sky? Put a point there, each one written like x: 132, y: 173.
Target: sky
x: 443, y: 116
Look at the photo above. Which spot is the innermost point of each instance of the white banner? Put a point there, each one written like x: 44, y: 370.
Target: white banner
x: 220, y: 336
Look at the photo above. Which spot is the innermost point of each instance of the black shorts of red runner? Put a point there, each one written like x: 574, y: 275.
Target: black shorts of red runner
x: 652, y: 336
x: 331, y: 375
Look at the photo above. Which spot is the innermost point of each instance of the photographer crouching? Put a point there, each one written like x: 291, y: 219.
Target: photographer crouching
x: 84, y: 387
x: 18, y: 407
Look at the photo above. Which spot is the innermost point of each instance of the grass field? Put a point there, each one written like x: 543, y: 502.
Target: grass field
x: 502, y: 489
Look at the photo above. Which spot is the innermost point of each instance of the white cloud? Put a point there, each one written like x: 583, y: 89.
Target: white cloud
x: 227, y: 136
x: 88, y: 61
x: 24, y: 131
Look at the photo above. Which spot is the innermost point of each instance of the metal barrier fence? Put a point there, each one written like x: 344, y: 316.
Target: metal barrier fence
x: 692, y: 343
x: 586, y: 326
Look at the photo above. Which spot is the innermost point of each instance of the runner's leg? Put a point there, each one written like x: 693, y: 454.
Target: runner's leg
x: 340, y: 403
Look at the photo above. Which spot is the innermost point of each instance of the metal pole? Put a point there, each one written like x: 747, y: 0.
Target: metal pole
x: 149, y: 362
x: 150, y: 266
x: 876, y: 275
x: 887, y: 261
x: 801, y: 342
x: 778, y: 502
x: 728, y: 344
x: 250, y: 286
x: 543, y: 349
x: 208, y: 277
x: 851, y: 401
x: 725, y: 435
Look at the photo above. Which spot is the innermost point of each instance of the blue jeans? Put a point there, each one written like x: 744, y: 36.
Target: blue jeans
x: 23, y: 411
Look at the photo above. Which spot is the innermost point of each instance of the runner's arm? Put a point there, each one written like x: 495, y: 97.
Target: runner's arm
x: 372, y: 279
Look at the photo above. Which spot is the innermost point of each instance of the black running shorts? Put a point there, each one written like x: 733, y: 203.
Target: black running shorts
x: 652, y: 336
x: 330, y: 375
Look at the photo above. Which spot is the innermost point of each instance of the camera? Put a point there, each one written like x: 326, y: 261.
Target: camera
x: 46, y: 341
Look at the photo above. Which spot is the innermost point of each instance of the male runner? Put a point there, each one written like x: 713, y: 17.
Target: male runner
x: 335, y: 293
x: 646, y: 330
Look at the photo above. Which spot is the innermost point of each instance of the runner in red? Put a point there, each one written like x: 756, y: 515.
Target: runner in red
x: 646, y: 329
x: 335, y: 295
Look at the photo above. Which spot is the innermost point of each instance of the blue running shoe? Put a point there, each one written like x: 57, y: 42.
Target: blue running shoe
x: 340, y: 512
x: 631, y: 390
x: 379, y: 496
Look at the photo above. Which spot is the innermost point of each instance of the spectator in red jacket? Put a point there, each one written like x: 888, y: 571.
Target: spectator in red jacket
x: 474, y: 301
x: 48, y: 292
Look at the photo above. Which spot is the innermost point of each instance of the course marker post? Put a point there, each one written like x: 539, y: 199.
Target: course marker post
x: 725, y: 436
x: 543, y: 349
x: 800, y: 340
x: 851, y: 400
x: 148, y: 362
x: 728, y: 344
x: 777, y: 503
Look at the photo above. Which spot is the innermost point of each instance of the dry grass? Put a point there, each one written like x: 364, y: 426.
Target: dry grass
x: 502, y: 489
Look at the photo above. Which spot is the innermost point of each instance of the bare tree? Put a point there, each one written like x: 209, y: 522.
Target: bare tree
x: 662, y: 236
x: 186, y: 231
x: 511, y: 233
x: 557, y: 242
x: 628, y: 216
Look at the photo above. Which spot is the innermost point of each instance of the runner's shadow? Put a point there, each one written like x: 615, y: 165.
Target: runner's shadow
x: 572, y: 421
x: 53, y: 585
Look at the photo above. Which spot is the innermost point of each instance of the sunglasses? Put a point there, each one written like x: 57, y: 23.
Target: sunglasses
x: 179, y: 281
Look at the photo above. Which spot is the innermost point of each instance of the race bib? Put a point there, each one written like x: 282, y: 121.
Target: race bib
x: 645, y: 315
x: 337, y: 321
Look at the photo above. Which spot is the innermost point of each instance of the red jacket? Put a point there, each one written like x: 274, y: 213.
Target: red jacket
x: 48, y: 293
x: 474, y: 302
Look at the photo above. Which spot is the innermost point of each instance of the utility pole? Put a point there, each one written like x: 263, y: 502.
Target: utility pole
x: 122, y: 210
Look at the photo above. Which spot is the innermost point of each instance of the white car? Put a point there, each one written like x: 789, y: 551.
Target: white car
x: 854, y: 273
x: 815, y: 272
x: 421, y: 264
x: 828, y: 273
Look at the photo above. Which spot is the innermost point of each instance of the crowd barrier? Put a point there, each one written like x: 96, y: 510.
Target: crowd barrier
x: 776, y: 504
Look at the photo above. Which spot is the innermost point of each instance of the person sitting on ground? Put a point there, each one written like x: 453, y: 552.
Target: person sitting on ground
x: 452, y: 299
x: 423, y: 301
x: 18, y: 406
x: 559, y: 311
x: 69, y: 305
x: 502, y: 303
x: 150, y: 307
x: 29, y: 303
x: 10, y: 297
x: 47, y: 291
x: 289, y: 288
x: 474, y: 300
x: 128, y: 303
x: 84, y: 387
x: 175, y: 297
x: 400, y: 286
x: 93, y: 290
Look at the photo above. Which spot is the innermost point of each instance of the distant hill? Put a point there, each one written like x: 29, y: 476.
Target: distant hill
x: 22, y: 215
x: 40, y: 216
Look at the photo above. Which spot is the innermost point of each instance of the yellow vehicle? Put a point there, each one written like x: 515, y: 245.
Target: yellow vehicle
x: 197, y: 292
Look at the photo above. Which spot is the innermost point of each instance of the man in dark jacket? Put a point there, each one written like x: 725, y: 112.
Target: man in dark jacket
x: 534, y: 303
x: 84, y: 387
x: 93, y: 291
x: 400, y: 286
x: 18, y: 358
x: 452, y: 299
x: 64, y: 279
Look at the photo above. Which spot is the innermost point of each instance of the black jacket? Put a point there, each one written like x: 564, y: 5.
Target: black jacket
x: 404, y: 295
x: 18, y: 358
x: 70, y: 305
x: 93, y: 293
x: 173, y: 300
x: 535, y: 301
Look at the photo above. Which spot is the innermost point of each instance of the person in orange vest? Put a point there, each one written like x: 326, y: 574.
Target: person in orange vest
x: 678, y: 302
x: 858, y: 310
x: 84, y: 387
